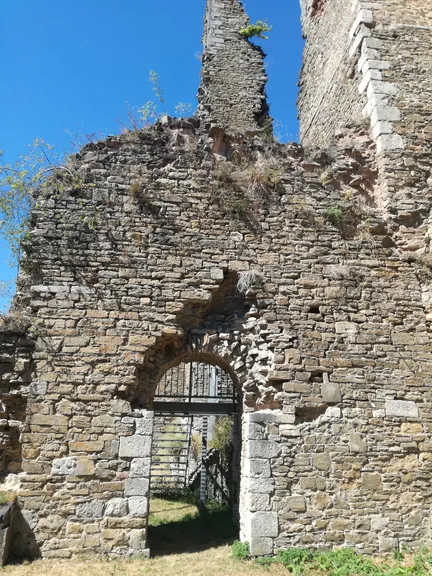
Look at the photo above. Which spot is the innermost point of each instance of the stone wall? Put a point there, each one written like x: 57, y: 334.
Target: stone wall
x: 372, y: 60
x: 233, y: 79
x: 16, y: 366
x: 138, y: 269
x: 329, y: 97
x: 288, y: 270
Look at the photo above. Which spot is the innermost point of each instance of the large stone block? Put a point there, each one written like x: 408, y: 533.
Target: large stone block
x: 116, y: 507
x: 331, y: 392
x: 322, y: 461
x: 138, y: 506
x: 261, y: 546
x: 144, y: 426
x: 120, y: 407
x: 64, y: 467
x: 401, y: 409
x: 135, y: 446
x: 262, y: 449
x: 346, y: 328
x: 264, y: 525
x: 93, y: 509
x: 257, y: 467
x: 72, y: 467
x: 257, y: 502
x: 140, y: 468
x: 261, y: 485
x: 295, y: 503
x: 136, y: 487
x: 356, y: 442
x: 371, y: 480
x: 138, y: 542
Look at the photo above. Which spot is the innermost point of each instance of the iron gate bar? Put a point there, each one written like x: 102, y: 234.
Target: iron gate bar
x: 192, y: 388
x: 197, y: 408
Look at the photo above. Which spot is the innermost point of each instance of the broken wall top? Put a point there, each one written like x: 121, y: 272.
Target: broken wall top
x: 233, y: 79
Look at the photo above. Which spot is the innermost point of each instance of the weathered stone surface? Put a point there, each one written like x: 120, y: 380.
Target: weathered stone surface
x: 263, y: 449
x: 356, y: 442
x: 116, y: 507
x: 136, y: 487
x: 295, y: 503
x: 93, y: 509
x: 234, y: 103
x: 120, y: 407
x: 245, y: 265
x: 144, y: 426
x: 322, y: 461
x: 137, y: 542
x: 140, y: 468
x: 331, y: 392
x: 264, y: 524
x: 261, y: 546
x: 401, y: 409
x: 371, y: 481
x: 138, y: 506
x: 64, y: 466
x: 135, y: 447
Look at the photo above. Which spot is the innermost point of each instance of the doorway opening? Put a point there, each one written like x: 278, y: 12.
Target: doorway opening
x: 195, y: 470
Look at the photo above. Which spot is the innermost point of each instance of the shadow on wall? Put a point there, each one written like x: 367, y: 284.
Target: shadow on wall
x: 17, y: 540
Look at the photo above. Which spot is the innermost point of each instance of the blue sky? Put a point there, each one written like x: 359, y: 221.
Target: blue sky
x: 73, y: 66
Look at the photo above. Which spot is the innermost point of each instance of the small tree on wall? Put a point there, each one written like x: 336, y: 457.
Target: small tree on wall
x: 257, y: 30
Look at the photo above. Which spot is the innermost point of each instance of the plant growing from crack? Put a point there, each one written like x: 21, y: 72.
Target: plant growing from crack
x: 258, y: 30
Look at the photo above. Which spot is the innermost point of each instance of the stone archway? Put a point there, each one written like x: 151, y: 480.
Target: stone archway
x: 209, y: 347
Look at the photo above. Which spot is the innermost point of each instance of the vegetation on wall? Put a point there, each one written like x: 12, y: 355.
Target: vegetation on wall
x: 258, y: 30
x: 244, y: 185
x: 18, y: 184
x: 153, y: 110
x: 42, y: 169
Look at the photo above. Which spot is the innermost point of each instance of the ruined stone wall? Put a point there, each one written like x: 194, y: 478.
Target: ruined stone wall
x: 233, y: 79
x: 16, y: 365
x: 136, y: 270
x: 373, y: 59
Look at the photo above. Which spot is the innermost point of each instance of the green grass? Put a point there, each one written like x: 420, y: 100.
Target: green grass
x: 343, y: 562
x: 179, y: 526
x: 335, y: 215
x: 240, y: 550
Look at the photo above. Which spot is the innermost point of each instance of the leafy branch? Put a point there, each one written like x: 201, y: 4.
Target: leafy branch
x: 18, y: 184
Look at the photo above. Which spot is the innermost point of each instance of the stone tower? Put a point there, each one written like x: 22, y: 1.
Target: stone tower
x: 372, y: 62
x: 232, y: 92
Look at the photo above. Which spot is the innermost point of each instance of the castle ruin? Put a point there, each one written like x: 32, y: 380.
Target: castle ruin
x: 303, y: 272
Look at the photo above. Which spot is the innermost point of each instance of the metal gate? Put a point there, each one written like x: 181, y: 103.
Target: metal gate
x: 184, y: 393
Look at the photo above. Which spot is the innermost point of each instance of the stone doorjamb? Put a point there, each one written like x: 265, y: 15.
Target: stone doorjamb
x: 136, y: 449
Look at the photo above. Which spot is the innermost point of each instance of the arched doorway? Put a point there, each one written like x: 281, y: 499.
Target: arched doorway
x: 195, y: 456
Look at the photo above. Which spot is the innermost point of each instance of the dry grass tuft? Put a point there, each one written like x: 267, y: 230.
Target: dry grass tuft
x: 215, y: 561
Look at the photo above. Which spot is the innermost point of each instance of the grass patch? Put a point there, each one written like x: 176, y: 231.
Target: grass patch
x: 180, y: 526
x: 240, y: 550
x: 7, y: 498
x: 212, y: 562
x: 165, y: 511
x: 342, y: 562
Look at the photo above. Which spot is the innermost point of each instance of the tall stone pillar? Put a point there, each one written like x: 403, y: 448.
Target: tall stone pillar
x: 232, y: 93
